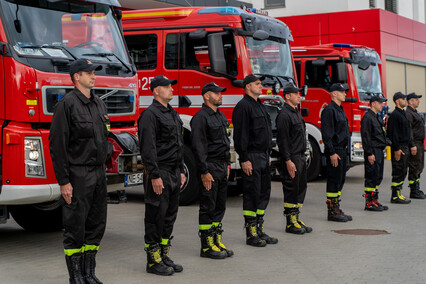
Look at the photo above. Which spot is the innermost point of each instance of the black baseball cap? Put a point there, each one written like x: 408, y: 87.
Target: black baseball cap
x: 379, y: 99
x: 212, y: 87
x: 252, y: 78
x: 83, y: 64
x: 413, y: 96
x: 338, y: 87
x: 290, y: 88
x: 161, y: 80
x: 399, y: 95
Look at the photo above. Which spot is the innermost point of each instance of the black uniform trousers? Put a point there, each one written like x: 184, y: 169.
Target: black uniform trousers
x: 399, y: 168
x: 85, y: 218
x: 257, y: 187
x: 416, y: 163
x: 213, y: 201
x: 336, y: 175
x: 373, y: 173
x: 161, y: 210
x: 294, y: 188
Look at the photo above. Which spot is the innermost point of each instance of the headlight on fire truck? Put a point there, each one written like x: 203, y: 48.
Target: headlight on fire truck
x: 34, y: 162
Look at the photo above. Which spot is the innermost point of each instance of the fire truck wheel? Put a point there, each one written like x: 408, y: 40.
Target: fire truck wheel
x: 314, y: 162
x: 189, y: 192
x: 45, y: 217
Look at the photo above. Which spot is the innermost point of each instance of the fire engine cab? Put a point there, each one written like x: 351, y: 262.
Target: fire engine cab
x: 197, y: 45
x: 39, y: 39
x: 318, y: 67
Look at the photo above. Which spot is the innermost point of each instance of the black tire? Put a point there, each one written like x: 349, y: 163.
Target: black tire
x: 314, y: 165
x: 189, y: 193
x: 38, y: 217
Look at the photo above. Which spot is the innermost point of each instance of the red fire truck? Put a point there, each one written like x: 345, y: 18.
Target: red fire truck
x: 38, y: 41
x: 197, y: 45
x: 320, y: 66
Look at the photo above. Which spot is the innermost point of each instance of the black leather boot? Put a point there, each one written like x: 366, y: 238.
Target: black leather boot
x: 218, y: 240
x: 376, y: 200
x: 208, y: 247
x: 253, y: 238
x: 333, y: 211
x: 292, y: 225
x: 307, y: 229
x: 262, y: 235
x: 165, y: 249
x: 75, y: 268
x: 89, y: 267
x: 397, y: 197
x: 415, y: 191
x: 370, y: 205
x: 155, y: 263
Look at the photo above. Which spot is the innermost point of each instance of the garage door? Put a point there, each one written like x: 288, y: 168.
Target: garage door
x: 405, y: 78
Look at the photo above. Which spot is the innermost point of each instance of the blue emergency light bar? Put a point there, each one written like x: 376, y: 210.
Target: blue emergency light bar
x: 342, y: 45
x: 221, y: 11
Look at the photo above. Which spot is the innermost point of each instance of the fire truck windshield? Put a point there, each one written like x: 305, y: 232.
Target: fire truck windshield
x: 270, y: 57
x: 66, y: 30
x: 367, y: 81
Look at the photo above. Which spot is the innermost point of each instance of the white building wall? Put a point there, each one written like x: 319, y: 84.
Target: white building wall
x: 412, y: 9
x: 405, y: 8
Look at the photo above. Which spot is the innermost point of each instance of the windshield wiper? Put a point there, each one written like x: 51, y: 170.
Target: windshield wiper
x: 109, y: 54
x: 279, y: 78
x: 288, y: 78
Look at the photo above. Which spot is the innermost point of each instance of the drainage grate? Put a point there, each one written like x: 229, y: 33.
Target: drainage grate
x: 361, y: 232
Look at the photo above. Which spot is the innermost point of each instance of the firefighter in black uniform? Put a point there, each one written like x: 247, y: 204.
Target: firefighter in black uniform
x: 210, y: 143
x: 415, y: 158
x: 291, y: 140
x: 161, y: 145
x: 399, y: 133
x: 335, y: 134
x: 253, y: 142
x: 78, y: 147
x: 373, y: 142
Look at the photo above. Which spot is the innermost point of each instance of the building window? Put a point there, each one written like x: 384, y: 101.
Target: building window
x: 274, y: 3
x: 372, y: 3
x: 391, y: 6
x: 143, y: 50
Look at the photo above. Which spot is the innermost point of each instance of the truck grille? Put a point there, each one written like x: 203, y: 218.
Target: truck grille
x: 117, y: 101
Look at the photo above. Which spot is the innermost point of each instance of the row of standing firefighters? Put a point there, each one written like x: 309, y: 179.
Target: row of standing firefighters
x: 78, y: 146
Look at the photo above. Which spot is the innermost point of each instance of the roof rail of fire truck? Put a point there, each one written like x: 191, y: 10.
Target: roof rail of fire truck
x: 158, y: 14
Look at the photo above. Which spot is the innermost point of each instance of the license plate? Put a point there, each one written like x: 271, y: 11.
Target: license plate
x: 133, y: 179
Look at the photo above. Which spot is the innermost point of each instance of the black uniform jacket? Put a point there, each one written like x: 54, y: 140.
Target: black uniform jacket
x: 252, y: 128
x: 334, y: 128
x: 291, y: 136
x: 417, y: 125
x: 209, y: 137
x: 373, y: 132
x: 78, y: 134
x: 398, y: 129
x: 160, y: 137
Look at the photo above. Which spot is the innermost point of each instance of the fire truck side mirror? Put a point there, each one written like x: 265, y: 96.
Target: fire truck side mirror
x: 238, y: 83
x: 260, y: 35
x: 318, y: 62
x: 304, y: 111
x: 304, y: 90
x: 118, y: 14
x: 339, y: 72
x: 363, y: 65
x: 197, y: 34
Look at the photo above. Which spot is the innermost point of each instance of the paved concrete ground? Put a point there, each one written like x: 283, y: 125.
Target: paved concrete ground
x: 320, y: 257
